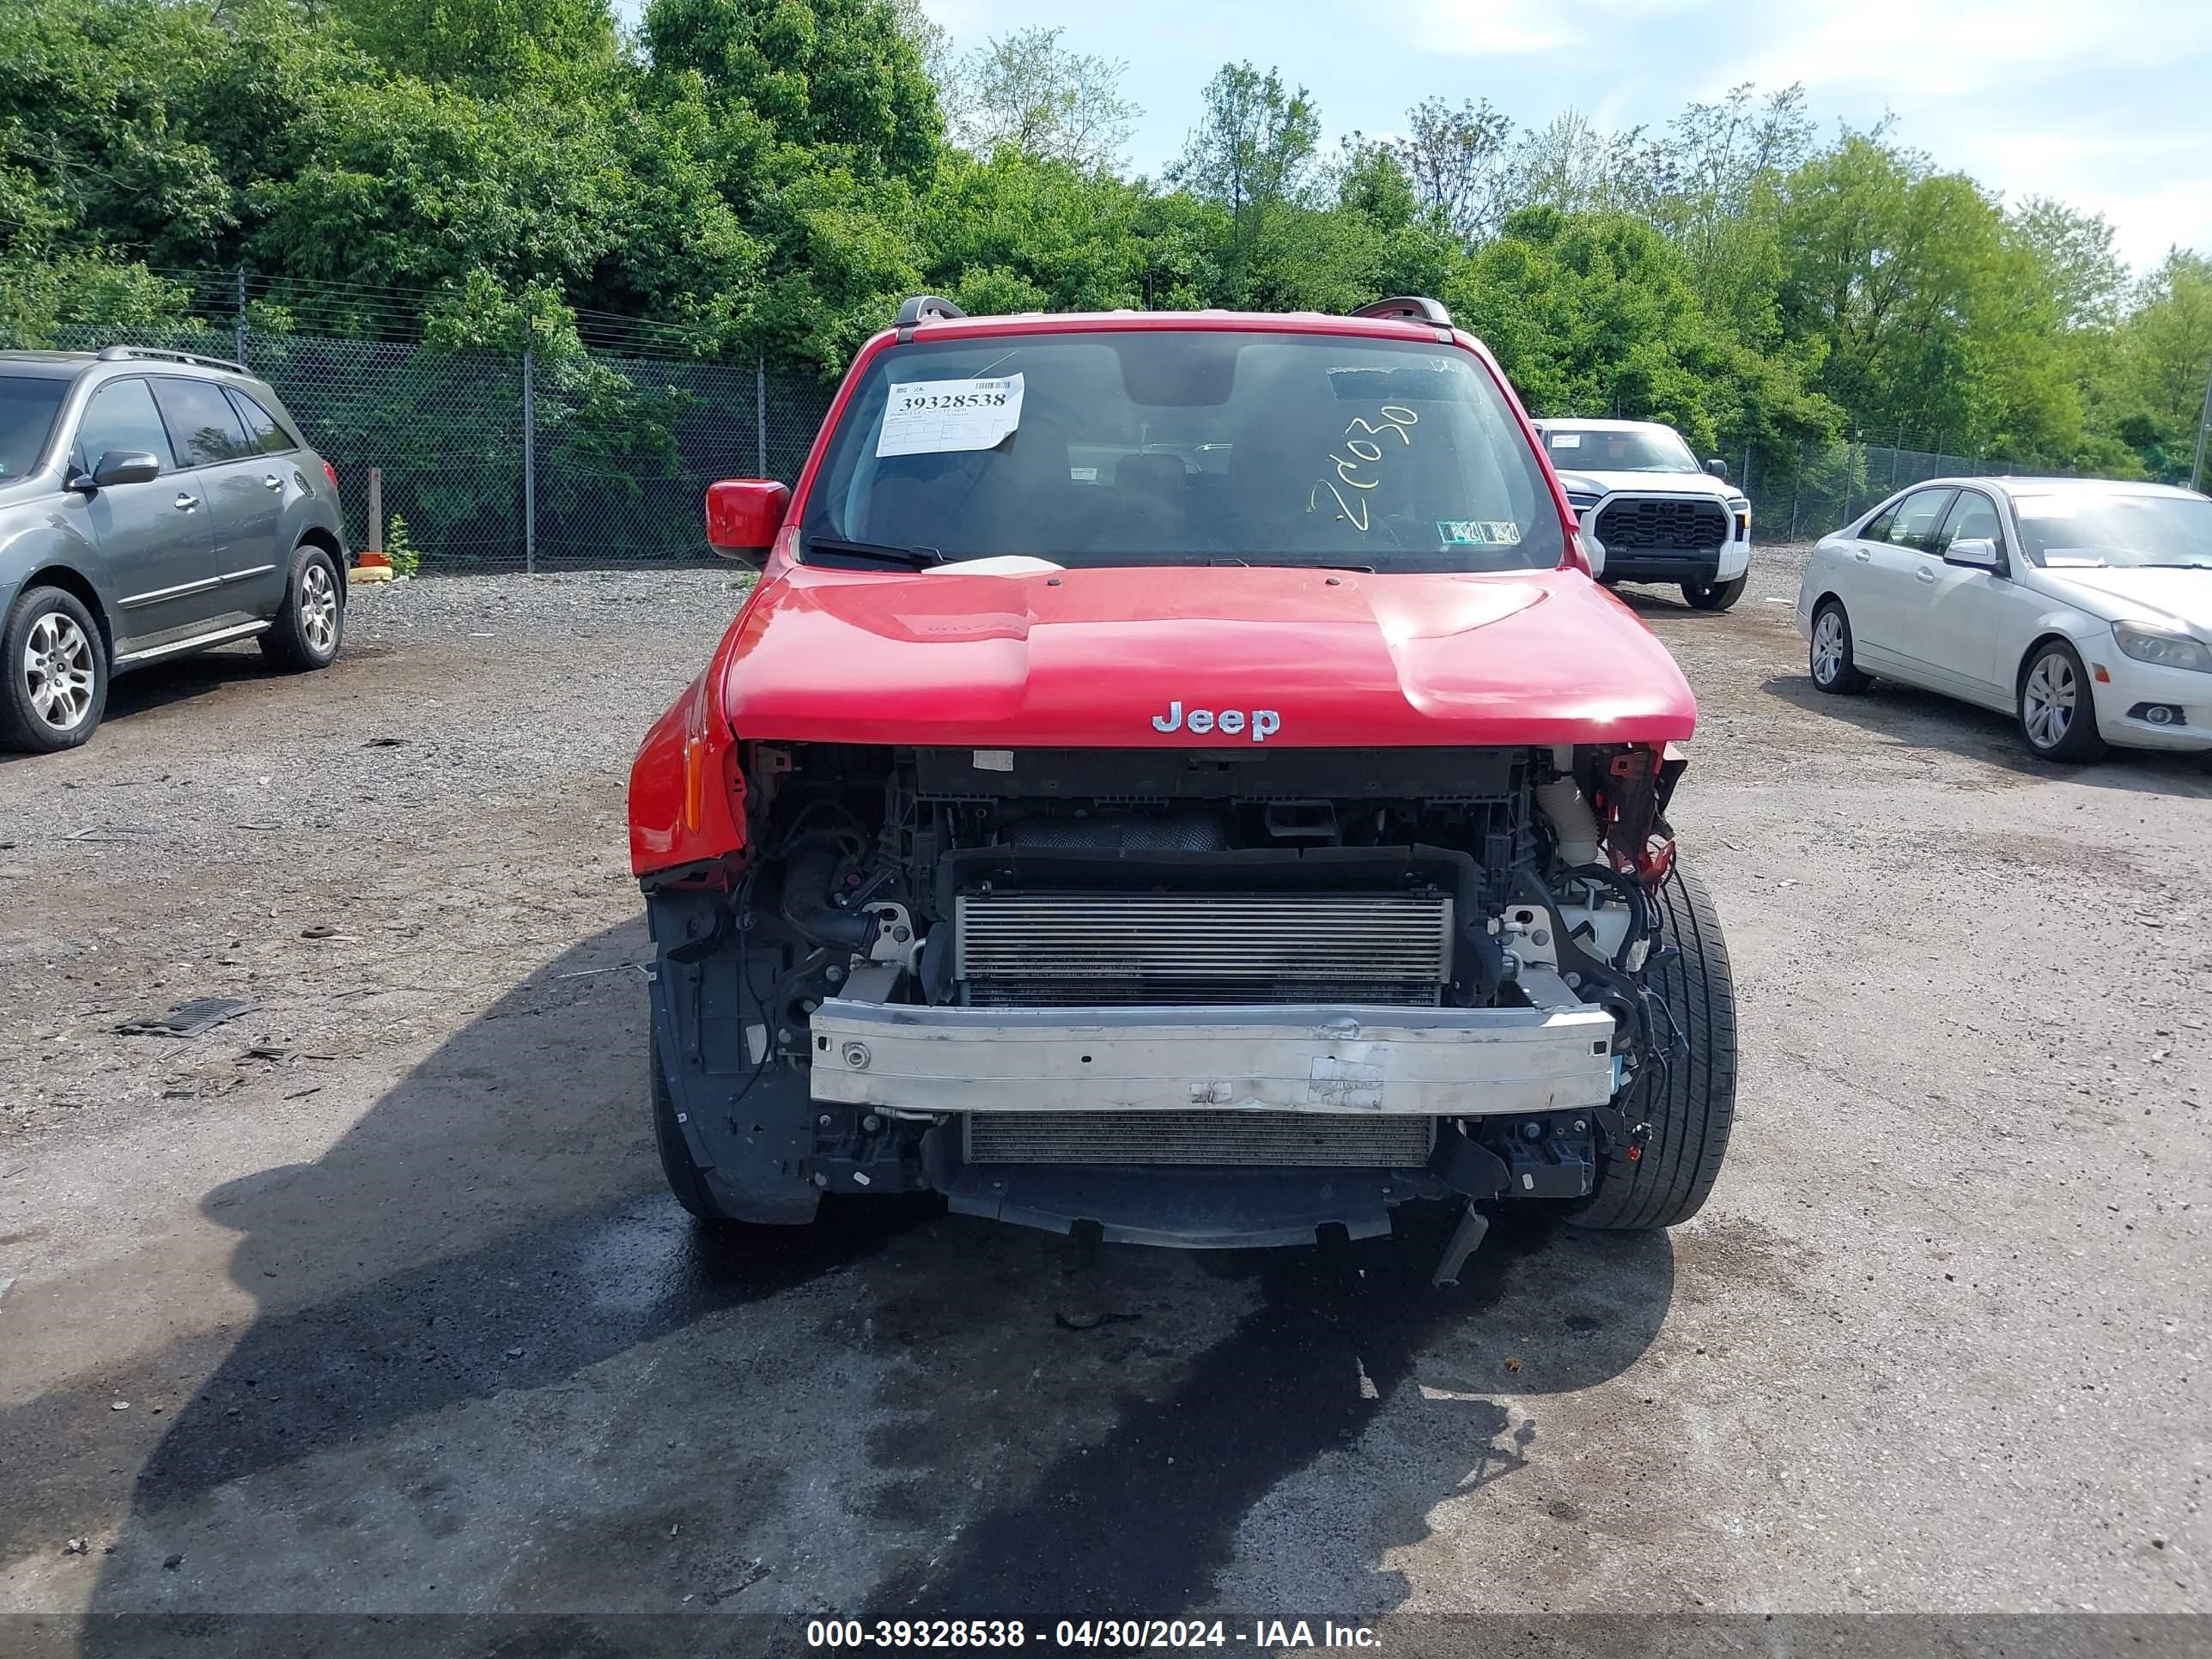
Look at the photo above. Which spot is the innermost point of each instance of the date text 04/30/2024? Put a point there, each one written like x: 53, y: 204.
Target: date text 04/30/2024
x: 1127, y: 1635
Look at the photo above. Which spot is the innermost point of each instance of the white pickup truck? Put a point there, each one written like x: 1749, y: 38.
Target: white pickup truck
x: 1649, y: 512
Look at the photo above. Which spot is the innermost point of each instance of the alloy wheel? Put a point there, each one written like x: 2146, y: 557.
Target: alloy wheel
x: 2048, y: 700
x: 1827, y: 646
x: 58, y: 669
x: 319, y: 606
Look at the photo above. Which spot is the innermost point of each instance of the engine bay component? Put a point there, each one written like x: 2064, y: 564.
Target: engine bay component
x: 1011, y: 985
x: 1059, y: 948
x: 1241, y: 1139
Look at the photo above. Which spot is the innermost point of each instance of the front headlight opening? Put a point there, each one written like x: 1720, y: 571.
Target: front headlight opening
x: 2164, y: 649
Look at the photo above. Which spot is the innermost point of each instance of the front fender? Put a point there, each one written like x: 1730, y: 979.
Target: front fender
x: 686, y: 792
x: 48, y: 535
x: 2085, y: 630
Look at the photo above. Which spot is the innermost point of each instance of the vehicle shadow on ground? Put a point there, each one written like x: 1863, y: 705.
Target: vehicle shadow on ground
x: 488, y: 1252
x: 162, y: 686
x: 143, y: 696
x: 1148, y: 1516
x: 1905, y: 713
x: 1662, y: 598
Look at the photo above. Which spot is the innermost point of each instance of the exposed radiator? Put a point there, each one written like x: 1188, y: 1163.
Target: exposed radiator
x: 1295, y: 1140
x: 1074, y: 949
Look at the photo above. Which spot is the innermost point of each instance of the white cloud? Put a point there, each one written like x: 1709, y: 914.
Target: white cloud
x: 1475, y: 27
x: 1918, y: 50
x: 2177, y: 213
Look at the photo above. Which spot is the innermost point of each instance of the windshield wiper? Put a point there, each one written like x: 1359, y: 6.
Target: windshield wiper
x: 1300, y: 564
x: 910, y: 558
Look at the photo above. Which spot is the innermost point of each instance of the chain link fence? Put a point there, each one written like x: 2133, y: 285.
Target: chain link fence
x: 1820, y: 487
x: 493, y: 462
x: 602, y: 456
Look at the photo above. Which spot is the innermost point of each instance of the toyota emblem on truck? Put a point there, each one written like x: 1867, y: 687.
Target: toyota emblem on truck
x: 1261, y: 723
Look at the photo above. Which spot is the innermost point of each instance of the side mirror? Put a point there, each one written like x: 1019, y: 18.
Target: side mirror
x: 124, y: 467
x: 1978, y: 552
x: 743, y: 515
x: 1717, y: 467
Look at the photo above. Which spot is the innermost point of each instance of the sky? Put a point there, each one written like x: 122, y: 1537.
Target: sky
x: 2104, y: 104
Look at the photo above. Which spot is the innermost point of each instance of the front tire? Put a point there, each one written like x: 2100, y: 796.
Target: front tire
x: 1690, y: 1105
x: 685, y: 1179
x: 56, y: 668
x: 1829, y: 658
x: 1715, y: 596
x: 2058, y: 711
x: 310, y: 625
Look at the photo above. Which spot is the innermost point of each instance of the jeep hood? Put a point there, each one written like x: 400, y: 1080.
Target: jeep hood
x: 1121, y: 658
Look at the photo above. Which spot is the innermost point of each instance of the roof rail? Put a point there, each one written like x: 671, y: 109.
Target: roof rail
x: 115, y: 353
x: 927, y: 308
x: 1413, y: 307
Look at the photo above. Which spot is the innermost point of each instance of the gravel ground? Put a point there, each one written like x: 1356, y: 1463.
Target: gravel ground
x: 402, y: 1321
x: 350, y: 851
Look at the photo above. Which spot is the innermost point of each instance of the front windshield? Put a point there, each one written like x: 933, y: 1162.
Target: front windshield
x: 2084, y: 529
x: 26, y: 416
x: 1595, y: 449
x: 1185, y: 447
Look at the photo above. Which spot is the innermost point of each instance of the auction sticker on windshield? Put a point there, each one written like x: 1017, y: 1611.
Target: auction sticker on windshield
x: 937, y: 418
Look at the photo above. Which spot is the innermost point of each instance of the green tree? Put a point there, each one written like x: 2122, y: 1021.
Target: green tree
x: 2163, y: 362
x: 1571, y: 164
x: 2085, y: 277
x: 41, y: 297
x: 136, y: 125
x: 1594, y: 313
x: 1014, y: 231
x: 492, y: 46
x: 1026, y: 90
x: 422, y: 184
x: 1932, y: 316
x: 839, y: 79
x: 1252, y: 152
x: 1453, y: 159
x: 846, y: 251
x: 1723, y: 178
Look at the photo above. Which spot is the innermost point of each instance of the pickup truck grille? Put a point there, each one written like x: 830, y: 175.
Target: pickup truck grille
x: 1658, y: 522
x: 1278, y: 1140
x: 1081, y: 949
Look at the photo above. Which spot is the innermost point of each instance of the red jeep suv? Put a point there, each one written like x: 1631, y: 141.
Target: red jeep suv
x: 1175, y: 776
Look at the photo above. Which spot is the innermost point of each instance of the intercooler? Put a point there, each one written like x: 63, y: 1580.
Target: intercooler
x: 1288, y: 1139
x: 1085, y: 949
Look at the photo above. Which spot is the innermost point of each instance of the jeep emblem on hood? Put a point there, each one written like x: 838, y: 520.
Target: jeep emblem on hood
x: 1261, y: 723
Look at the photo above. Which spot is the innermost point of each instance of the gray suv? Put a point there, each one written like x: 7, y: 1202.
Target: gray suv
x: 152, y: 503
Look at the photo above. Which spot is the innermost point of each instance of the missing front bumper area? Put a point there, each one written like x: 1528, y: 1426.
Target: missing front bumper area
x: 1221, y: 1126
x: 1216, y: 1206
